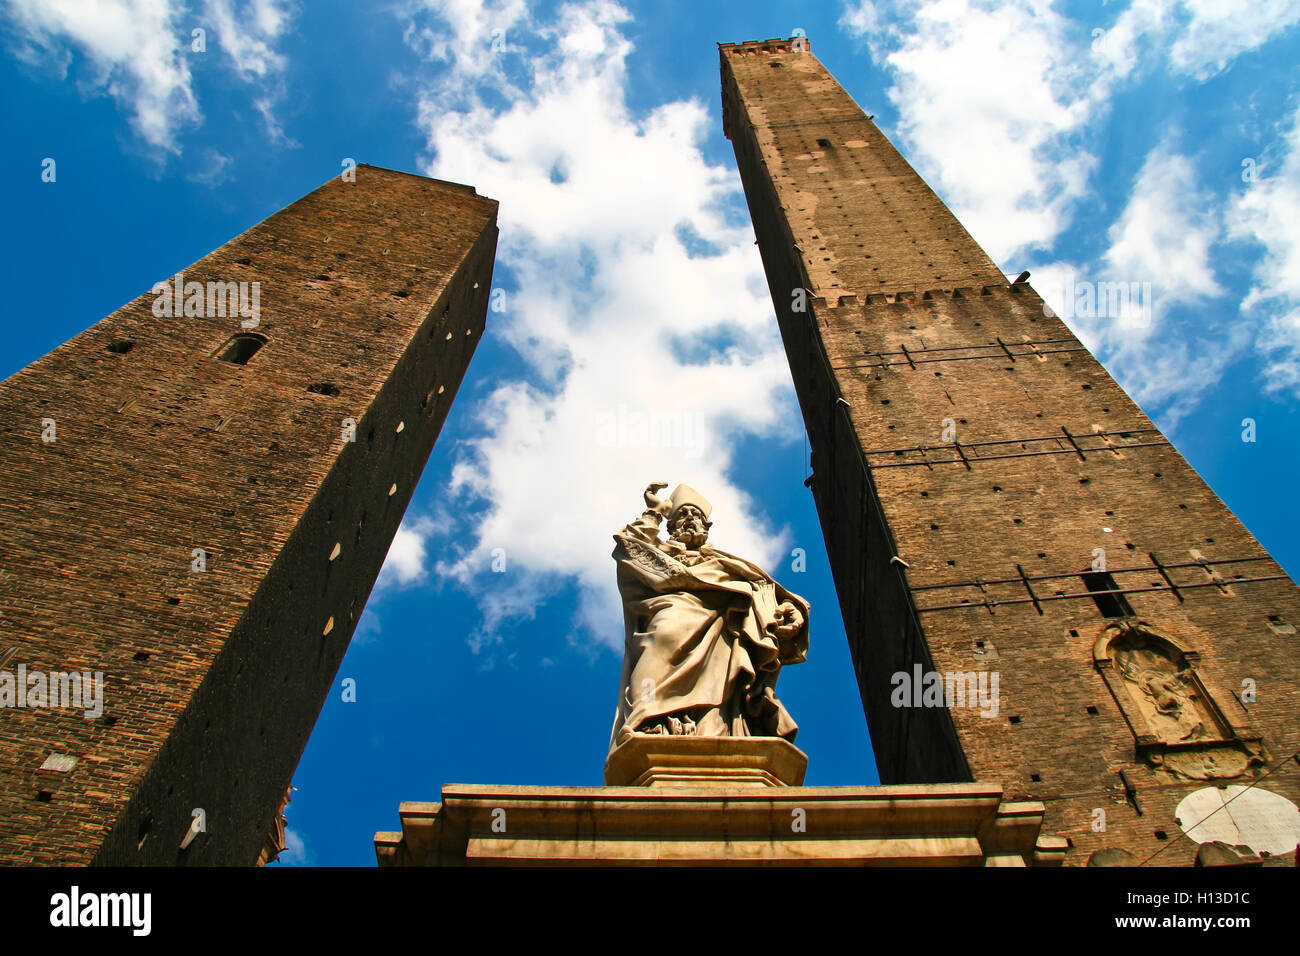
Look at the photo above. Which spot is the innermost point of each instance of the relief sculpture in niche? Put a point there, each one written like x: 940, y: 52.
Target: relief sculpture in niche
x: 1164, y: 692
x: 1179, y: 725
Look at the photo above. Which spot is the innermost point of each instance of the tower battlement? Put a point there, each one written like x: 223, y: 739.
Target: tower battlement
x: 775, y: 45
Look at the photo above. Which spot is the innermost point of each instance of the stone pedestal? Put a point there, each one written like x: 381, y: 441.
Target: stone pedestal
x: 710, y: 801
x: 657, y: 761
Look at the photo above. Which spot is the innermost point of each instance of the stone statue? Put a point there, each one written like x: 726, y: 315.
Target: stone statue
x: 706, y: 631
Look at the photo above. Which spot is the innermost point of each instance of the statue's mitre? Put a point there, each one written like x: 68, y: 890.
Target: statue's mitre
x: 686, y: 495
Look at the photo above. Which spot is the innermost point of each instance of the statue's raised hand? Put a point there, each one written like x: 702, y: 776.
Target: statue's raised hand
x: 652, y: 499
x: 789, y: 621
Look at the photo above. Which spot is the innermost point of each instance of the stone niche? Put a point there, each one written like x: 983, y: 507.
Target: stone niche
x: 1179, y: 723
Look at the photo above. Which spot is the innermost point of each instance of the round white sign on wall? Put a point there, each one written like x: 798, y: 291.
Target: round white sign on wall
x: 1265, y: 821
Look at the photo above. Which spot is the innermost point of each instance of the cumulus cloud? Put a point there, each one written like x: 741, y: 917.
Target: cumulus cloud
x: 1218, y: 31
x: 1267, y: 212
x: 295, y: 852
x: 990, y: 99
x: 134, y: 48
x: 405, y: 562
x: 633, y: 296
x: 1017, y: 84
x: 1139, y: 30
x: 246, y: 35
x: 1125, y: 307
x: 1166, y: 230
x: 1199, y: 38
x: 470, y: 37
x: 860, y: 19
x: 139, y: 50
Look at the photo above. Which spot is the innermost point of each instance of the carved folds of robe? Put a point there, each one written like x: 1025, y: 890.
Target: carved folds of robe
x: 700, y: 655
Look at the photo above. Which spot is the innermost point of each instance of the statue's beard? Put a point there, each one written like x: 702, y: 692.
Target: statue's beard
x: 691, y: 537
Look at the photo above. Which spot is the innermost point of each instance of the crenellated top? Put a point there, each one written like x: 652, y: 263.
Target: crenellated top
x: 909, y: 295
x: 797, y: 44
x: 863, y: 220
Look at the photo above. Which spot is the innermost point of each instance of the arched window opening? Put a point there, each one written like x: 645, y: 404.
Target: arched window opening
x: 241, y: 347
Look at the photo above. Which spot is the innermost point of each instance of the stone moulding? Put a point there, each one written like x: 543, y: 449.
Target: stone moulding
x: 657, y: 760
x: 926, y: 824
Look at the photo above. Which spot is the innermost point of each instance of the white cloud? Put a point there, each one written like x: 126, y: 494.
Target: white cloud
x: 860, y: 19
x: 295, y: 852
x: 212, y: 169
x: 647, y: 361
x: 135, y: 47
x: 1166, y: 230
x: 990, y: 99
x: 1196, y: 37
x: 1138, y: 31
x: 139, y: 51
x: 471, y: 37
x: 247, y: 34
x: 1218, y: 31
x: 405, y: 562
x: 368, y: 629
x: 1017, y: 84
x: 1268, y: 212
x: 1132, y: 307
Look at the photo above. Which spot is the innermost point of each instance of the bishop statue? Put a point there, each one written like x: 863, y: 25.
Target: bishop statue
x: 706, y: 631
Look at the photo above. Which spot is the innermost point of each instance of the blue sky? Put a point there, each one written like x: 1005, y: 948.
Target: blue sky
x: 1156, y: 141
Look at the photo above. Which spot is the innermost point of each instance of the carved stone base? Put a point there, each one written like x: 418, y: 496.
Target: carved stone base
x: 1219, y: 760
x: 936, y: 824
x: 660, y: 760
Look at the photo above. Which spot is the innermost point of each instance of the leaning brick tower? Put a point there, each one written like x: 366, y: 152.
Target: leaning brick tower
x: 198, y: 494
x: 994, y: 505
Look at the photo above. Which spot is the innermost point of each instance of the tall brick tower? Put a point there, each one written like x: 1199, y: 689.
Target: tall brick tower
x: 994, y: 505
x: 198, y: 494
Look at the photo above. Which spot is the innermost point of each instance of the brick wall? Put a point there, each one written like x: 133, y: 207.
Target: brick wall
x: 373, y: 296
x: 969, y: 457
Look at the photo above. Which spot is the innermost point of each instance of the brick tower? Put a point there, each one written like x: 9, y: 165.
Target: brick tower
x: 198, y: 494
x: 994, y: 505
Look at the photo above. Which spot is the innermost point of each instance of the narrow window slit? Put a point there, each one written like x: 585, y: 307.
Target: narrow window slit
x: 241, y: 347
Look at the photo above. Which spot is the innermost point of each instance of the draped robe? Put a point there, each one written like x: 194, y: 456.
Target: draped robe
x: 699, y: 639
